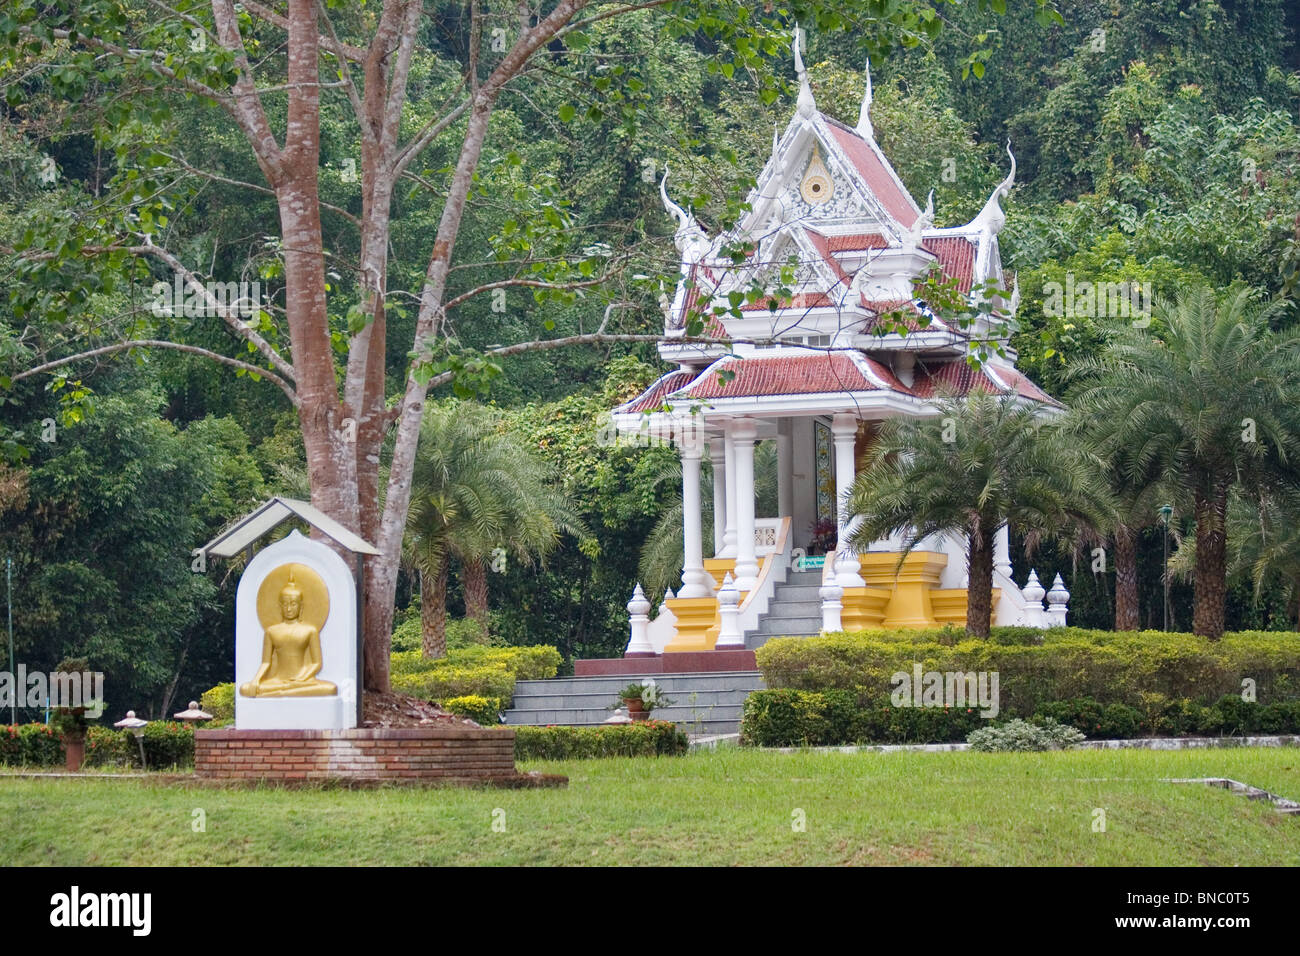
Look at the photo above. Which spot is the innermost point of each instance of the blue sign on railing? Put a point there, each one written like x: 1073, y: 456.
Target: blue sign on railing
x: 809, y: 562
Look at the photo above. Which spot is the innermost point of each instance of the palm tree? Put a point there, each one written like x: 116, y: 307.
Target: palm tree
x: 1206, y: 399
x: 987, y: 461
x: 474, y: 490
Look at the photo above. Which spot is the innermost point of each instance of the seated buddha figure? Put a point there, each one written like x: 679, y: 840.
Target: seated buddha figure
x: 291, y: 656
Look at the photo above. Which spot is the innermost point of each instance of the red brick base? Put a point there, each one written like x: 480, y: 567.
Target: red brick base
x: 681, y: 662
x: 402, y: 754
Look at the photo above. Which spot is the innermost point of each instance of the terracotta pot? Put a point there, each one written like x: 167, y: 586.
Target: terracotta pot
x: 74, y: 754
x: 635, y: 708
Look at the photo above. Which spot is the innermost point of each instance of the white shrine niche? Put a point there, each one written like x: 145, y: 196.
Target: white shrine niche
x: 257, y: 602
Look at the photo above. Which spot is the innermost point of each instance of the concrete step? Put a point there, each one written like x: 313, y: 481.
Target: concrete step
x: 801, y: 609
x: 789, y: 626
x: 702, y: 703
x: 810, y: 593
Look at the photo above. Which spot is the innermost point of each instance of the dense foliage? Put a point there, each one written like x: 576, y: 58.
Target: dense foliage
x: 1157, y: 144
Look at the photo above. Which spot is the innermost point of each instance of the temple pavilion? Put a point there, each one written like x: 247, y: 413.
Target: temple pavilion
x: 815, y: 367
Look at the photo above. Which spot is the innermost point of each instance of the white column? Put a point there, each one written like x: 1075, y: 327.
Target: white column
x: 729, y: 535
x: 1002, y: 551
x: 784, y: 467
x: 696, y: 582
x: 844, y: 432
x: 718, y: 456
x: 743, y: 434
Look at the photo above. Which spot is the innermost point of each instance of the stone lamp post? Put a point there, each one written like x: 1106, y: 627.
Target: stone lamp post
x: 134, y: 724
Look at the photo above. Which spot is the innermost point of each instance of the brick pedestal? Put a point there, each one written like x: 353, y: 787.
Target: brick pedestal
x: 402, y: 754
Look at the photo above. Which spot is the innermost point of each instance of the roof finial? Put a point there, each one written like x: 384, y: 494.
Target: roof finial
x: 991, y: 217
x: 806, y: 104
x: 690, y: 237
x: 864, y: 115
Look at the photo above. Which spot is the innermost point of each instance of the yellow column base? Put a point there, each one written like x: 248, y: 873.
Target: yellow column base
x: 911, y: 584
x: 696, y: 619
x: 864, y: 607
x: 719, y: 567
x: 950, y: 605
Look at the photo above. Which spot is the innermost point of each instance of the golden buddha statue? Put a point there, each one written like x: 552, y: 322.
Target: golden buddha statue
x: 291, y: 656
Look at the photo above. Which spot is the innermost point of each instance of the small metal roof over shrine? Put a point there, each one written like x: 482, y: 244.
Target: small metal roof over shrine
x: 261, y: 522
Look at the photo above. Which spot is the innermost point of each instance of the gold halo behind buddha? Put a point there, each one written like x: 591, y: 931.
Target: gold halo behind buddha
x: 315, y: 595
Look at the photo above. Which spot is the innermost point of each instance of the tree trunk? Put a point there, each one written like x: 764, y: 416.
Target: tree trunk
x: 475, y: 579
x: 1210, y: 582
x: 1126, y: 580
x: 433, y: 612
x: 979, y: 587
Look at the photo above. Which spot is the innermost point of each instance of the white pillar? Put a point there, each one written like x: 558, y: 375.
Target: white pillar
x: 844, y: 432
x: 832, y: 596
x: 730, y: 636
x: 718, y: 456
x: 784, y: 468
x: 743, y: 434
x: 696, y: 582
x: 729, y: 535
x: 1002, y: 551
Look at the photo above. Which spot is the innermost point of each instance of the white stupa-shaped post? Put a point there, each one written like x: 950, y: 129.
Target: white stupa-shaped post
x: 638, y: 610
x: 730, y: 636
x: 1058, y: 601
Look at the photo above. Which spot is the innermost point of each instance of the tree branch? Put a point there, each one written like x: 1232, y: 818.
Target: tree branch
x: 162, y: 344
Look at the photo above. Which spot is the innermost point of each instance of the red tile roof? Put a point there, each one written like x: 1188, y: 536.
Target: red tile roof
x: 877, y: 175
x: 1023, y: 386
x: 653, y: 397
x: 801, y: 300
x: 956, y: 375
x: 957, y: 257
x: 810, y: 374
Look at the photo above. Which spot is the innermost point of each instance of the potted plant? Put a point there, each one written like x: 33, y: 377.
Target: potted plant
x: 824, y: 536
x: 70, y: 722
x: 641, y: 699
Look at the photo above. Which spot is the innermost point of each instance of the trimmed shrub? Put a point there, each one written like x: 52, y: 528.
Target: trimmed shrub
x: 219, y: 701
x: 109, y: 747
x: 473, y: 671
x: 168, y: 743
x: 1021, y: 735
x: 485, y: 711
x: 30, y: 745
x: 1109, y: 667
x: 802, y: 718
x: 650, y: 738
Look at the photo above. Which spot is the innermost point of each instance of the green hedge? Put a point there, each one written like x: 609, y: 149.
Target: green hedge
x: 219, y: 701
x: 650, y: 738
x: 804, y: 718
x: 166, y: 744
x: 1144, y: 670
x: 30, y: 745
x: 472, y: 671
x: 485, y: 711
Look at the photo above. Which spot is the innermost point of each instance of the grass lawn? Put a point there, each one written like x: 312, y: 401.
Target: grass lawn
x: 729, y: 806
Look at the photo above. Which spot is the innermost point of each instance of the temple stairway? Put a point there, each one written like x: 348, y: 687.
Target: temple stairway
x: 795, y: 610
x: 703, y: 703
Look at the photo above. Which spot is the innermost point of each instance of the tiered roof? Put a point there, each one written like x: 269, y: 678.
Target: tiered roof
x: 829, y: 205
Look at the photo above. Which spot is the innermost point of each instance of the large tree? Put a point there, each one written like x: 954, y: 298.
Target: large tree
x: 1208, y: 399
x: 985, y: 461
x: 115, y: 70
